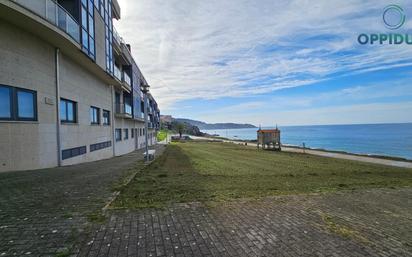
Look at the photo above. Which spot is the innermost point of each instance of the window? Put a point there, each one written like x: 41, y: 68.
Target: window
x: 132, y: 133
x: 25, y: 104
x: 102, y: 8
x: 142, y: 106
x: 73, y: 152
x: 5, y: 102
x: 68, y: 111
x: 106, y: 117
x: 94, y: 115
x: 118, y: 134
x: 107, y: 11
x: 126, y: 134
x: 17, y: 104
x: 99, y: 146
x: 87, y: 24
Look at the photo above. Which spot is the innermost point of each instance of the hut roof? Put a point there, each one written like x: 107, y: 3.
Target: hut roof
x: 268, y: 130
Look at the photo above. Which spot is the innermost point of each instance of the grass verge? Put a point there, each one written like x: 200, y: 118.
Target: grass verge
x: 194, y: 171
x: 161, y: 135
x: 343, y: 230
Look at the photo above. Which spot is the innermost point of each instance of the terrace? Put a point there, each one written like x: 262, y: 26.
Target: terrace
x: 54, y: 13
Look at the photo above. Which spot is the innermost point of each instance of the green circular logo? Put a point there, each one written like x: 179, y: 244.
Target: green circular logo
x: 393, y: 16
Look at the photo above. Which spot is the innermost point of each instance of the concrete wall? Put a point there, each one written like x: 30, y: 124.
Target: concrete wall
x: 130, y: 144
x: 82, y: 87
x: 152, y: 137
x: 28, y: 62
x: 100, y: 42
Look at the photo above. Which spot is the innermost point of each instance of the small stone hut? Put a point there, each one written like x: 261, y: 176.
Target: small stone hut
x: 269, y: 139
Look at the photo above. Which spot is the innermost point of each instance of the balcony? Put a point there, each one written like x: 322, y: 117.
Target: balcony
x: 117, y: 73
x: 117, y: 38
x: 124, y: 111
x: 127, y: 79
x: 55, y: 14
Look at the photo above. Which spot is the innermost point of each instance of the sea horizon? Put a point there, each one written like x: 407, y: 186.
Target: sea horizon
x: 381, y: 139
x: 337, y: 124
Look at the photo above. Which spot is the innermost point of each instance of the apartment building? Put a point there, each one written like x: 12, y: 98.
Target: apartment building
x: 70, y: 90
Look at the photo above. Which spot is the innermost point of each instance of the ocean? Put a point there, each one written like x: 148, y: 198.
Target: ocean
x: 376, y: 139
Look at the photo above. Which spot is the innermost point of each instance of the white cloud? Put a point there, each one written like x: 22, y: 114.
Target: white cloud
x: 341, y: 104
x: 209, y: 49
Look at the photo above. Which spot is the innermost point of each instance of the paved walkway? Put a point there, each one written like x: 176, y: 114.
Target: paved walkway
x: 402, y: 164
x: 359, y: 223
x: 44, y: 212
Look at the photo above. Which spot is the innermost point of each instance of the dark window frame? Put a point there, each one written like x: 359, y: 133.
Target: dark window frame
x: 108, y: 36
x: 34, y: 93
x: 92, y: 121
x: 14, y: 104
x: 126, y: 134
x: 100, y: 146
x: 120, y: 138
x: 86, y: 16
x: 10, y: 89
x: 67, y: 121
x: 108, y: 118
x: 73, y: 152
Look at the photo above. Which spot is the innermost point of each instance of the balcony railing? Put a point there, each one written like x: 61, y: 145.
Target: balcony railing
x: 127, y: 79
x: 117, y: 37
x: 124, y: 109
x: 128, y: 109
x: 117, y: 73
x: 55, y: 14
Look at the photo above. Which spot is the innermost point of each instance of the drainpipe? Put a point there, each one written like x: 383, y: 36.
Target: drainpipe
x: 57, y: 59
x: 146, y: 128
x: 113, y: 121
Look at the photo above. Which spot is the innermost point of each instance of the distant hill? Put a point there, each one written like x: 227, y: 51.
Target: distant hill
x: 203, y: 125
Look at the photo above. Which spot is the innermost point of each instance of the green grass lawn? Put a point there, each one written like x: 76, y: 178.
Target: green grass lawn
x: 161, y: 135
x: 221, y: 171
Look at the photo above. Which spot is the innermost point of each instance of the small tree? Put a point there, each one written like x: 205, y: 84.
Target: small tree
x: 180, y: 129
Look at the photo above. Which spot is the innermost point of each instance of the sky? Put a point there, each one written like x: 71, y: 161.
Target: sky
x: 266, y: 62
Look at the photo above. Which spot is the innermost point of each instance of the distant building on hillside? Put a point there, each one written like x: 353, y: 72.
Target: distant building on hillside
x: 166, y: 121
x: 166, y: 118
x: 269, y: 139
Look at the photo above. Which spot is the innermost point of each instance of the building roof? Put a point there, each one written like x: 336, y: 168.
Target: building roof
x: 268, y: 130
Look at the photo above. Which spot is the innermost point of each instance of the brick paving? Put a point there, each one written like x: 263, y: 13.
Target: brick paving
x: 359, y: 223
x: 45, y: 212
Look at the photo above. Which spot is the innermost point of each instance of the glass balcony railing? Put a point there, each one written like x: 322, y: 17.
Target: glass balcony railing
x: 117, y: 37
x: 127, y: 79
x: 55, y: 14
x: 123, y: 109
x: 128, y: 109
x: 117, y: 73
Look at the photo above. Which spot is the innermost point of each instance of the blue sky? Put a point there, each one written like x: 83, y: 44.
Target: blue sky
x: 265, y: 62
